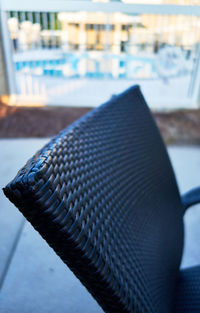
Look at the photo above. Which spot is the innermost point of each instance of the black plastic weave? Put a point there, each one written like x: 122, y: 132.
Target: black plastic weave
x: 103, y: 195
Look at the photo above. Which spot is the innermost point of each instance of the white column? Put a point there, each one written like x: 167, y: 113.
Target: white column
x: 7, y: 72
x: 117, y: 38
x: 65, y: 37
x: 82, y: 37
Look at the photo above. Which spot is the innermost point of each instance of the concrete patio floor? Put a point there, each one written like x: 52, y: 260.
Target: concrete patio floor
x: 32, y: 277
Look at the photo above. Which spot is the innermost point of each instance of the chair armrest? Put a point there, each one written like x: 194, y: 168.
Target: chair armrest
x: 191, y: 197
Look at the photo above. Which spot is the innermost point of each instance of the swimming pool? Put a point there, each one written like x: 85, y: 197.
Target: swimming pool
x: 90, y: 66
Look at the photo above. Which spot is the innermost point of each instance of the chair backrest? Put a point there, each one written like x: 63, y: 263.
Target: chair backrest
x: 104, y: 196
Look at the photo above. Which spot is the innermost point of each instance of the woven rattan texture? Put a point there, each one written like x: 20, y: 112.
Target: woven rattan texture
x: 103, y: 195
x: 188, y: 291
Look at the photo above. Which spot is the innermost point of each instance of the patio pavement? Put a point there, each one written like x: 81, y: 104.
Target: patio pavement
x: 32, y: 277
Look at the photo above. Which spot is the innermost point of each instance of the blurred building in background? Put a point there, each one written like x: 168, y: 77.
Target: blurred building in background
x: 98, y: 31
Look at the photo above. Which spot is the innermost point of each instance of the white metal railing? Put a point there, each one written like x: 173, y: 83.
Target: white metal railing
x: 47, y: 65
x: 89, y: 6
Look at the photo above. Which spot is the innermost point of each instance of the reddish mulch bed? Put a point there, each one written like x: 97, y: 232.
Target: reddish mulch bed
x: 20, y: 122
x: 178, y: 127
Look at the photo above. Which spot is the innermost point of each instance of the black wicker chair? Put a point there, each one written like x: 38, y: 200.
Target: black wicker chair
x: 103, y: 195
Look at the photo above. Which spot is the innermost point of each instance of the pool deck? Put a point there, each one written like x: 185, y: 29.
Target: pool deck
x: 32, y: 277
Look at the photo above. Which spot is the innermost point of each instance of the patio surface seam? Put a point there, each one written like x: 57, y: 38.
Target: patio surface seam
x: 12, y: 252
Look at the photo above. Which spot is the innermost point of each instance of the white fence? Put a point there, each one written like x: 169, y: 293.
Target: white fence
x: 80, y: 53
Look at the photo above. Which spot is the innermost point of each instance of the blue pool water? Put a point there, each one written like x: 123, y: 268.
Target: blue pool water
x: 71, y: 65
